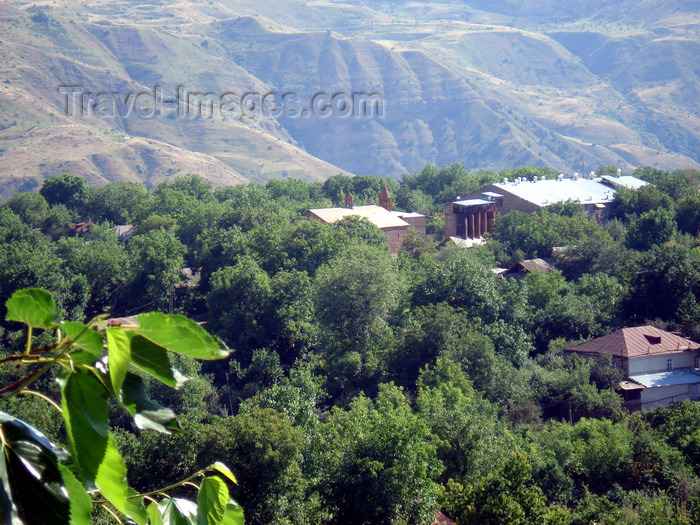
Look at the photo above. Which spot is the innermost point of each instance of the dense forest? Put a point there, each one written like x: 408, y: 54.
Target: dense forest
x: 369, y: 388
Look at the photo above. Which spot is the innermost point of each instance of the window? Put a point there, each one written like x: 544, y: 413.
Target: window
x: 653, y: 339
x: 696, y: 362
x: 669, y: 364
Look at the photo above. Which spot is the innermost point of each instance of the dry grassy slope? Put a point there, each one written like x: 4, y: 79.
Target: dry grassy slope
x: 449, y: 98
x: 569, y: 96
x: 495, y: 83
x: 38, y: 139
x: 101, y: 158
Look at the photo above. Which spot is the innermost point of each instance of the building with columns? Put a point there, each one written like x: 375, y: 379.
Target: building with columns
x: 472, y: 217
x: 469, y: 219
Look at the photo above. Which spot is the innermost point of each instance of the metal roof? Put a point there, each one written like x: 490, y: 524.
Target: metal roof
x: 472, y: 202
x: 544, y: 192
x: 680, y: 376
x: 377, y: 215
x: 409, y: 214
x: 492, y: 194
x: 466, y: 243
x: 530, y: 265
x: 636, y: 342
x: 628, y: 181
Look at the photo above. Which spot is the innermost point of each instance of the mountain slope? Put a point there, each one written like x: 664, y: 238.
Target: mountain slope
x: 489, y: 84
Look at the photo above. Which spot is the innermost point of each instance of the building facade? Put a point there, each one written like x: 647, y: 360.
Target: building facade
x: 472, y: 217
x: 394, y: 224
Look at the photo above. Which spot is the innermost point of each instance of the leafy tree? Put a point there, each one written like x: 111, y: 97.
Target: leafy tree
x: 377, y: 462
x: 677, y: 185
x: 58, y: 221
x: 628, y: 203
x: 117, y: 202
x: 568, y: 392
x: 472, y: 437
x: 415, y: 244
x: 158, y: 258
x: 237, y: 304
x: 30, y: 207
x: 653, y: 227
x: 664, y: 277
x: 26, y: 258
x: 507, y: 496
x: 335, y: 188
x: 65, y: 189
x: 536, y: 234
x: 688, y: 214
x: 360, y: 230
x: 355, y: 294
x: 290, y: 321
x: 266, y: 449
x: 679, y: 425
x: 356, y: 291
x: 426, y: 333
x: 34, y: 468
x: 462, y: 279
x: 105, y: 264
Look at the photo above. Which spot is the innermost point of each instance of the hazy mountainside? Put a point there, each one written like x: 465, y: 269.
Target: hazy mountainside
x: 488, y: 84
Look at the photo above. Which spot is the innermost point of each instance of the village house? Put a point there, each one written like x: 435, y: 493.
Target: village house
x: 471, y: 217
x: 660, y: 367
x: 394, y: 224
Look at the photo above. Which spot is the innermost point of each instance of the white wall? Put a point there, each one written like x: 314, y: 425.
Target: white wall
x: 664, y: 395
x: 639, y: 365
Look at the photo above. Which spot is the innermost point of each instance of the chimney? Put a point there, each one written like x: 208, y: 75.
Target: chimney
x: 349, y: 200
x: 385, y: 198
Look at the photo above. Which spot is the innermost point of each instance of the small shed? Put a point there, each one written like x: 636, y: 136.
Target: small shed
x: 521, y: 269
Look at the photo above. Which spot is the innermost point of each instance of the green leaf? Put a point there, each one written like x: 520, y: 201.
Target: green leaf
x: 212, y: 499
x: 111, y: 480
x: 179, y: 334
x: 135, y: 509
x: 119, y: 352
x: 233, y: 515
x: 223, y: 469
x: 80, y: 501
x: 32, y: 306
x: 176, y: 511
x: 83, y: 337
x: 153, y: 359
x: 148, y: 415
x: 154, y: 517
x: 32, y: 485
x: 87, y: 423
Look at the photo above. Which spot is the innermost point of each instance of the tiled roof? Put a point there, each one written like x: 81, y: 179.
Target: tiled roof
x: 636, y: 342
x: 377, y: 215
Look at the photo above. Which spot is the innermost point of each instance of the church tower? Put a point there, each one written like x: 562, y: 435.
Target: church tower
x: 385, y: 198
x: 349, y: 200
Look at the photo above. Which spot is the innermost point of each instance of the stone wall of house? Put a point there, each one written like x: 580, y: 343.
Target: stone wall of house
x: 395, y: 236
x: 419, y: 223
